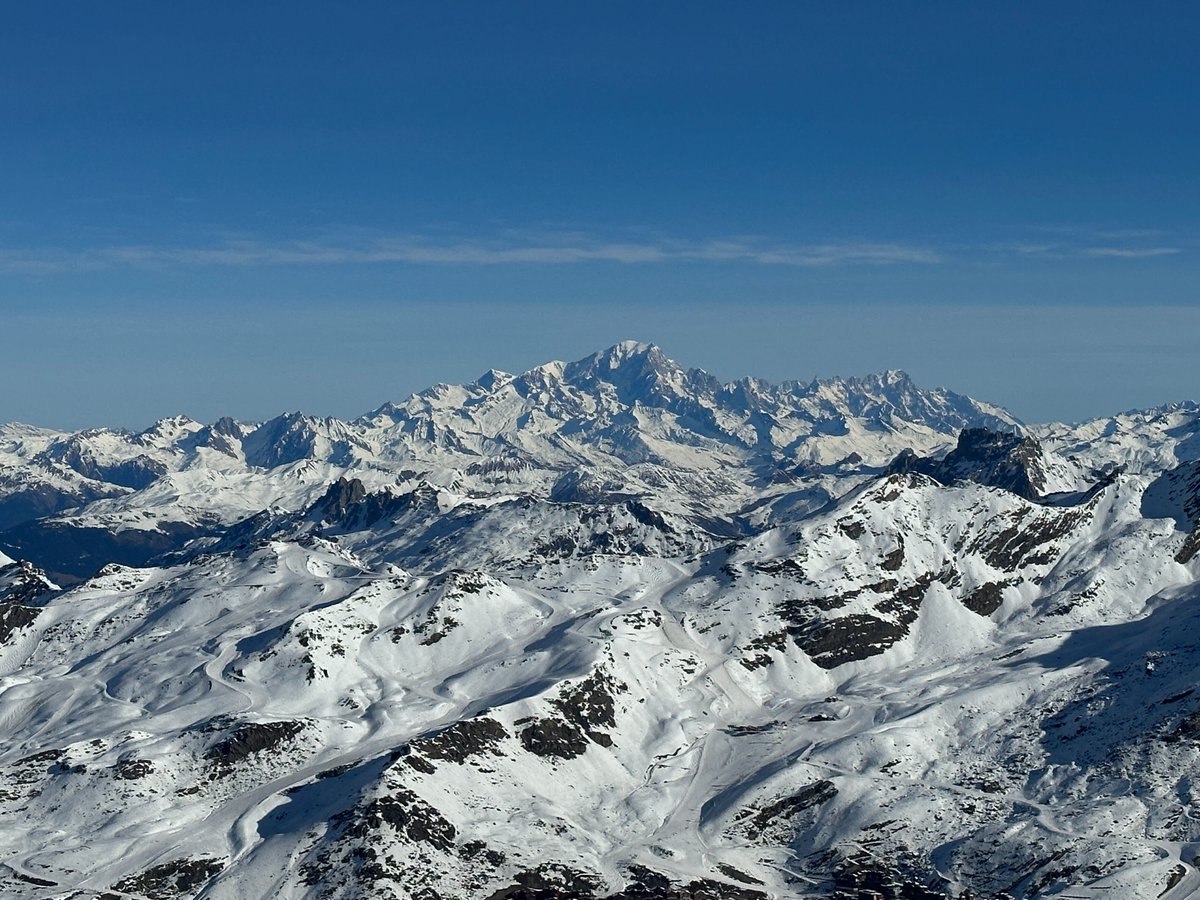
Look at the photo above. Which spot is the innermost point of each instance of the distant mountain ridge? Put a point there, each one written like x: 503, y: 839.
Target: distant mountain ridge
x: 604, y: 630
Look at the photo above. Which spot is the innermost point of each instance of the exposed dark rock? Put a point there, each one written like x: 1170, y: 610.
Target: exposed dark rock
x: 407, y: 814
x: 250, y: 738
x: 586, y: 708
x: 590, y: 703
x: 169, y: 881
x: 342, y: 495
x: 73, y: 452
x: 1191, y: 546
x: 1013, y: 547
x: 133, y: 769
x: 830, y: 642
x: 743, y: 730
x: 501, y: 468
x: 550, y: 882
x: 986, y: 599
x: 851, y: 529
x: 285, y: 439
x: 759, y: 647
x: 785, y: 568
x: 895, y: 559
x: 14, y: 617
x: 22, y: 582
x: 737, y: 874
x: 647, y: 516
x: 479, y: 851
x: 1000, y: 459
x: 348, y: 506
x: 553, y: 737
x: 647, y: 885
x: 462, y: 740
x: 786, y: 808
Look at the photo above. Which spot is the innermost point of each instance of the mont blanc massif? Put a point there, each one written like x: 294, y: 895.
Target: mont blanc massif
x: 605, y: 629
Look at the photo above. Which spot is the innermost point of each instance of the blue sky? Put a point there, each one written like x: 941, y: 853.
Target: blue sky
x: 247, y: 207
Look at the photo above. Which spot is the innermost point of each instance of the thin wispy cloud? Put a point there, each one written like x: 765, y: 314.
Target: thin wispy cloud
x: 566, y: 248
x: 1080, y: 243
x: 1131, y: 252
x: 418, y: 250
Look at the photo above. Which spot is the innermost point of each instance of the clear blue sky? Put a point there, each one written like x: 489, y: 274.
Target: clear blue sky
x: 249, y: 207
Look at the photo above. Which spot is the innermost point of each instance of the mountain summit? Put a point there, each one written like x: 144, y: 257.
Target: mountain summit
x: 604, y: 630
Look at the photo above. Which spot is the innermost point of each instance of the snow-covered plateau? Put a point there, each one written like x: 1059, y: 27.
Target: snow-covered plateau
x: 605, y: 629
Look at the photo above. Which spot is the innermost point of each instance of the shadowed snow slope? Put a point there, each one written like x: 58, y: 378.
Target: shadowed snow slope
x: 604, y: 629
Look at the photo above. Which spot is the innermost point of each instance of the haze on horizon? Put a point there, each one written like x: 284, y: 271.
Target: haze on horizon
x: 227, y: 210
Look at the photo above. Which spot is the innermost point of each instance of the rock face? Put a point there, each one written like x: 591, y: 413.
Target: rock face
x: 1001, y: 459
x: 605, y: 629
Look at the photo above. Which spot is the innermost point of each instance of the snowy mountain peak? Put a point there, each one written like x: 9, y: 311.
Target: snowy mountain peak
x: 605, y: 630
x: 494, y: 379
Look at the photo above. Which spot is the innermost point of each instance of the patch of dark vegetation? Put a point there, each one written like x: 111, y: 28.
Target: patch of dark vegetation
x: 249, y: 738
x: 461, y: 740
x: 171, y: 880
x: 986, y: 599
x: 788, y: 807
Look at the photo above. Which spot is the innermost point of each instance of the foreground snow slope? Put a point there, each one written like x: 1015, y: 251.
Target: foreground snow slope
x: 612, y: 629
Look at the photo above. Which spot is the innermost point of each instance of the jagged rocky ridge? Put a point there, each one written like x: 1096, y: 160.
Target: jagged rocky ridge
x: 604, y: 629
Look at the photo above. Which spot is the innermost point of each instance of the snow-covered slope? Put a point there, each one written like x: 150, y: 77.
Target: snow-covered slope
x: 607, y: 629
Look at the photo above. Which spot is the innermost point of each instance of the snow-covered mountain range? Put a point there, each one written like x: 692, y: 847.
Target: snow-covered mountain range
x: 604, y: 629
